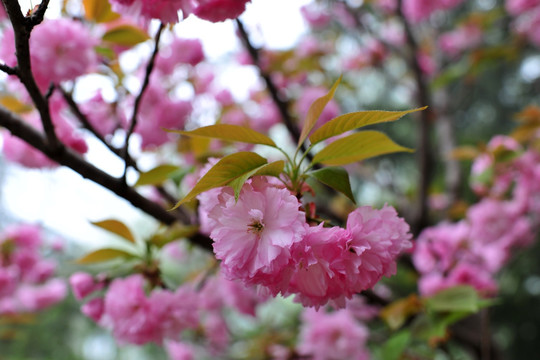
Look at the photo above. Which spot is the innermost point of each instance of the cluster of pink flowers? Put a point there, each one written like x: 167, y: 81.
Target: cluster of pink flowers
x: 27, y: 282
x: 139, y: 314
x: 167, y: 10
x: 419, y: 10
x: 527, y: 18
x: 462, y: 38
x: 332, y: 336
x: 473, y: 250
x: 263, y: 239
x: 61, y: 49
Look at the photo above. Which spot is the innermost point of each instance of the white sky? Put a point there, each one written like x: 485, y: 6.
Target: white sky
x: 64, y: 202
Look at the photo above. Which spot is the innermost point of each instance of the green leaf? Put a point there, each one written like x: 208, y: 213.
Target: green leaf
x: 335, y: 177
x: 356, y: 147
x: 116, y: 227
x: 355, y: 120
x: 103, y: 255
x: 458, y: 298
x: 395, y: 345
x: 229, y: 133
x: 314, y: 111
x: 99, y: 11
x: 157, y: 175
x: 125, y: 35
x: 226, y: 170
x: 273, y: 169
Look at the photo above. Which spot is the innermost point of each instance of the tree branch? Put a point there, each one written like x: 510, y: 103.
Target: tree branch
x: 425, y: 150
x: 281, y: 104
x: 22, y: 27
x: 69, y: 158
x: 8, y: 69
x: 133, y: 122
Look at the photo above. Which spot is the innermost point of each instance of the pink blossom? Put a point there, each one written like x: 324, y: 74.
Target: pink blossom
x: 164, y: 10
x: 419, y: 10
x: 332, y: 336
x: 61, y: 49
x: 322, y: 267
x: 316, y: 17
x: 83, y: 284
x: 528, y: 24
x: 252, y: 236
x: 102, y: 115
x: 179, y: 350
x: 8, y: 280
x: 179, y: 51
x: 128, y: 312
x: 219, y: 10
x: 378, y: 238
x: 25, y: 236
x: 460, y: 39
x: 517, y: 7
x: 94, y: 309
x: 34, y: 298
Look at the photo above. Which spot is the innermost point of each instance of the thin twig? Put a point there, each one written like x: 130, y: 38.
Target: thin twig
x: 8, y: 69
x: 149, y: 68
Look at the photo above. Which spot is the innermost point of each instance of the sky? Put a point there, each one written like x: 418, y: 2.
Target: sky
x: 65, y: 203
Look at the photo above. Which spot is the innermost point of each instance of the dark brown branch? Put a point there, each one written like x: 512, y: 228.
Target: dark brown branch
x: 22, y: 27
x: 281, y: 104
x: 149, y: 68
x: 425, y: 150
x: 69, y: 158
x: 8, y: 69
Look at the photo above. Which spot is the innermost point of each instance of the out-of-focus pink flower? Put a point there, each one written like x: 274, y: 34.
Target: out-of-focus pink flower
x: 164, y: 10
x: 180, y: 51
x: 179, y: 350
x: 332, y: 336
x: 83, y: 284
x: 252, y: 236
x: 460, y: 39
x: 219, y: 10
x: 94, y: 309
x: 419, y: 10
x: 517, y: 7
x: 61, y: 49
x: 127, y: 312
x: 34, y: 298
x: 528, y: 24
x: 315, y: 16
x: 102, y: 115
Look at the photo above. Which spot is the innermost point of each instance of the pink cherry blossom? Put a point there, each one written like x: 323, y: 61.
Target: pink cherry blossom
x: 378, y: 238
x: 94, y: 309
x: 332, y: 336
x: 102, y: 115
x: 37, y: 297
x: 83, y: 284
x: 179, y: 350
x: 252, y: 236
x: 219, y: 10
x: 316, y: 17
x: 61, y: 49
x: 517, y: 7
x: 179, y: 51
x: 164, y: 10
x: 460, y: 39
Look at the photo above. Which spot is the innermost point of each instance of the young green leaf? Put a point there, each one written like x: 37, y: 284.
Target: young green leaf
x: 314, y: 111
x: 457, y: 298
x: 226, y: 170
x: 103, y: 255
x: 157, y: 175
x: 395, y: 345
x: 229, y: 133
x: 173, y: 233
x: 355, y: 120
x: 125, y: 35
x: 356, y: 147
x: 273, y: 169
x: 116, y: 227
x: 99, y: 11
x: 335, y: 177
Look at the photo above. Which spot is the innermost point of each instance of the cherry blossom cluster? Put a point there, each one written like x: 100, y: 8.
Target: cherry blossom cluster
x: 263, y: 239
x: 167, y: 10
x: 474, y: 249
x: 27, y: 281
x: 136, y: 313
x: 527, y: 18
